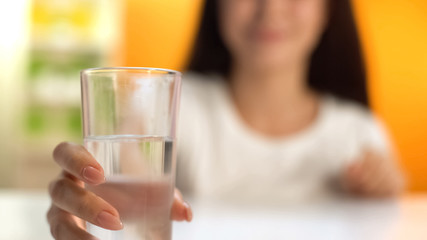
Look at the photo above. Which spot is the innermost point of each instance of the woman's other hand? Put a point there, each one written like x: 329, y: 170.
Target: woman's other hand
x: 373, y: 175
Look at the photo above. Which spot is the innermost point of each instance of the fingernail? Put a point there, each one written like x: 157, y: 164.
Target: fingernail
x: 108, y: 220
x: 93, y: 175
x: 178, y: 194
x: 188, y: 212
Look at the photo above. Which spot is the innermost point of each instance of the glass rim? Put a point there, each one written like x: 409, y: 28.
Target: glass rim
x: 116, y: 69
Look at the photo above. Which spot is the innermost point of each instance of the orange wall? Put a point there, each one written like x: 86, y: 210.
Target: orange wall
x: 159, y: 33
x: 394, y: 34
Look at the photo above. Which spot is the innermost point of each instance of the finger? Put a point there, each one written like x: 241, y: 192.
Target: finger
x: 76, y: 160
x: 375, y: 187
x: 352, y: 176
x: 355, y: 176
x: 387, y: 185
x: 68, y: 196
x: 73, y: 178
x: 353, y: 171
x: 379, y: 178
x: 364, y: 170
x: 64, y: 226
x: 373, y: 167
x: 392, y: 180
x: 180, y: 209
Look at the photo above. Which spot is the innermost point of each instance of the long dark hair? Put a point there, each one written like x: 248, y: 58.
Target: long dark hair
x: 336, y: 67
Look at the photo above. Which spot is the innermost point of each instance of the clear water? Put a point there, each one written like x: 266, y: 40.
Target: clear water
x: 140, y: 183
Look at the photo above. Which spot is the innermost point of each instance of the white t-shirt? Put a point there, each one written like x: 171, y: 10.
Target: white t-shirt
x: 219, y: 157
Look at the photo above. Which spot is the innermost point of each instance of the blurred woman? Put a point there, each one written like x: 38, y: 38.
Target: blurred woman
x: 275, y: 110
x: 279, y: 108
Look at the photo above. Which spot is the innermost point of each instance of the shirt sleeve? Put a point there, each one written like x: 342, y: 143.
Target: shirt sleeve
x: 375, y: 136
x: 357, y: 130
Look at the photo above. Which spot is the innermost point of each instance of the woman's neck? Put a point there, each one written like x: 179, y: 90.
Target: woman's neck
x: 274, y: 102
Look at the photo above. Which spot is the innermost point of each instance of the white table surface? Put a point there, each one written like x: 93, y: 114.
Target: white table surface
x: 22, y: 217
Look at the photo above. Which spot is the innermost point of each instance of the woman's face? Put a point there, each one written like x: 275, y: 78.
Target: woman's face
x: 272, y: 33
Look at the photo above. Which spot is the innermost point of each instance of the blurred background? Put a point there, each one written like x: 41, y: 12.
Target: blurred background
x: 45, y: 43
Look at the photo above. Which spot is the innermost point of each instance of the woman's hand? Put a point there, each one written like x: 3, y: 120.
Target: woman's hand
x: 373, y: 175
x: 72, y: 204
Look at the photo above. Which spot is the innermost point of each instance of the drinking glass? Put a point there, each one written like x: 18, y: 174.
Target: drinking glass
x: 129, y: 125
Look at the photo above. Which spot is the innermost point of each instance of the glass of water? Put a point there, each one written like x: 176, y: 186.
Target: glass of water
x: 129, y: 124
